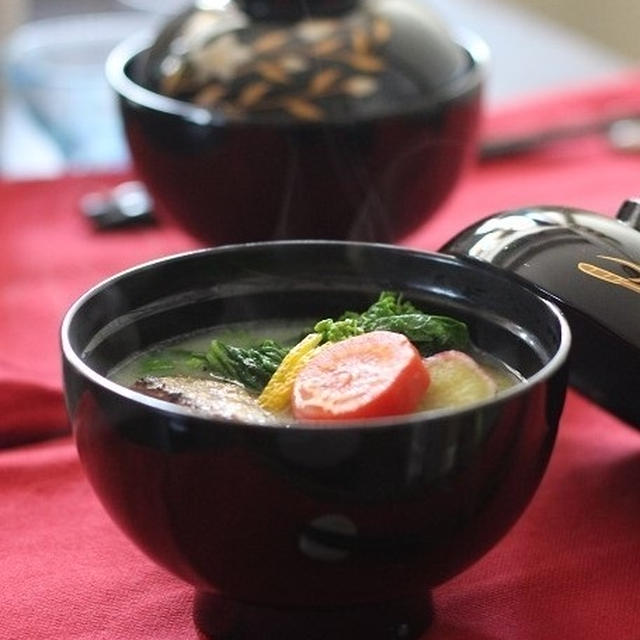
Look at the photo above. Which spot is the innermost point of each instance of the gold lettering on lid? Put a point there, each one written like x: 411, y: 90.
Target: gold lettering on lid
x: 628, y: 282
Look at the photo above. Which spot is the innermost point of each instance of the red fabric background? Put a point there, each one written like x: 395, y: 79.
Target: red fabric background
x: 570, y: 568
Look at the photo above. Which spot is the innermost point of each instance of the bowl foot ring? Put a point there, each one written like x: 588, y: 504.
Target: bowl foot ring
x: 219, y: 618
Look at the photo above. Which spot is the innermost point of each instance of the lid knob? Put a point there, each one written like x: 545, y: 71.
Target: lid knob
x: 629, y: 213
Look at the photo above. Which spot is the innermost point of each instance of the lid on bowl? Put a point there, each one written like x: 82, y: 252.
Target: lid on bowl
x: 589, y: 265
x: 308, y: 60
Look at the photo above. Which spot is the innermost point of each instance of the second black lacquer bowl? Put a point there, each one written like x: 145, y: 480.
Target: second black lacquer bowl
x: 309, y: 139
x: 293, y: 530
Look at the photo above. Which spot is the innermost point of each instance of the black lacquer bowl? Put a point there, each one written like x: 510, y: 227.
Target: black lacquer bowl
x: 295, y: 530
x: 373, y: 177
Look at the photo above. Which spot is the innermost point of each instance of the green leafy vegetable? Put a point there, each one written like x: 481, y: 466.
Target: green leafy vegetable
x: 252, y: 366
x: 336, y: 330
x: 390, y: 312
x: 176, y: 362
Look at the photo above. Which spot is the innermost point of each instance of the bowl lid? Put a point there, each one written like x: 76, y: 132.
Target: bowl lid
x: 311, y: 60
x: 588, y: 264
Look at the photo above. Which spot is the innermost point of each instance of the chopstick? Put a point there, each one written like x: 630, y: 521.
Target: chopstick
x: 622, y: 131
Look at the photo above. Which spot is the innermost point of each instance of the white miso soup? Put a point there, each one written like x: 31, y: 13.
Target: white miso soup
x: 178, y: 371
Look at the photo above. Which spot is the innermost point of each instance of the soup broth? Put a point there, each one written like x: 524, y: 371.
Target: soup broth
x: 172, y: 371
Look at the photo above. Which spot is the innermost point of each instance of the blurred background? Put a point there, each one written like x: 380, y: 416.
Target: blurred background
x: 57, y: 114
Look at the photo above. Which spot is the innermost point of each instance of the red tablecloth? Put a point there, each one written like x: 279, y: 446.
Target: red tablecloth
x: 570, y: 568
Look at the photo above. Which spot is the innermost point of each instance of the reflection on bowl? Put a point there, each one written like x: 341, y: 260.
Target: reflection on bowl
x: 294, y: 530
x: 234, y: 180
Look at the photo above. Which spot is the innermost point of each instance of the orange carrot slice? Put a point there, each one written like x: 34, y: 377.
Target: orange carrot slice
x: 372, y: 375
